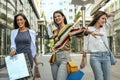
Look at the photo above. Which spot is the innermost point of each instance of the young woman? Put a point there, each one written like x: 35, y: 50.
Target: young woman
x: 99, y: 58
x: 62, y: 35
x: 23, y: 39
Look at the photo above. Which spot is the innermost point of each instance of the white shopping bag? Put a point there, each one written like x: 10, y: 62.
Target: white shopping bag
x: 17, y: 66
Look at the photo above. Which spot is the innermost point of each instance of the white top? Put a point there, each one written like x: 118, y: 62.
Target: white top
x: 33, y: 39
x: 92, y: 44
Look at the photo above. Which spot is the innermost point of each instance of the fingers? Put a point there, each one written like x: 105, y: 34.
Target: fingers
x: 110, y: 14
x: 83, y: 28
x: 40, y: 63
x: 12, y: 52
x: 98, y: 34
x: 94, y: 34
x: 82, y: 65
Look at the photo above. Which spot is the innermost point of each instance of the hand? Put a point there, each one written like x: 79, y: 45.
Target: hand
x: 13, y: 51
x: 39, y: 63
x: 83, y: 62
x: 110, y: 14
x: 94, y: 34
x: 84, y: 28
x: 82, y: 65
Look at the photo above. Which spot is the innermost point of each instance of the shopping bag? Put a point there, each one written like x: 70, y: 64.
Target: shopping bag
x: 78, y: 75
x: 17, y: 66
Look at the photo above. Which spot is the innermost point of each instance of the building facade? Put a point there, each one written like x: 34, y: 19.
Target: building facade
x: 114, y: 7
x: 49, y: 6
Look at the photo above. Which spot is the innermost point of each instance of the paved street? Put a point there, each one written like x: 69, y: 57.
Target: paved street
x: 46, y: 70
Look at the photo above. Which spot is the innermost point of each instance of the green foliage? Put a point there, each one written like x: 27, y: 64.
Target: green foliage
x: 77, y: 16
x: 4, y: 17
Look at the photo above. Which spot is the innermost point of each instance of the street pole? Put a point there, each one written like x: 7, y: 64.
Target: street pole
x: 83, y: 15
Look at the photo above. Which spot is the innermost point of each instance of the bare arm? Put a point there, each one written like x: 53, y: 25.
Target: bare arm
x: 36, y: 61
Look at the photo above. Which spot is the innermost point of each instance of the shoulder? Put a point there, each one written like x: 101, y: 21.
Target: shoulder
x: 31, y: 31
x: 14, y: 31
x: 68, y: 25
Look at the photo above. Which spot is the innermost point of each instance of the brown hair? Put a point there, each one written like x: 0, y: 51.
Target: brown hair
x: 60, y: 12
x: 96, y: 16
x: 15, y: 21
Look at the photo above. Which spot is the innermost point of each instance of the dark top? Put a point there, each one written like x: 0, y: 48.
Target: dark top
x: 23, y: 43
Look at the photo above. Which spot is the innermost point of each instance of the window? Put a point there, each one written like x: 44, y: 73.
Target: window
x: 70, y: 17
x: 70, y: 10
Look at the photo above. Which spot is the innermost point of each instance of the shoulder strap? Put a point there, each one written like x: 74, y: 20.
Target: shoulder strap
x: 106, y: 45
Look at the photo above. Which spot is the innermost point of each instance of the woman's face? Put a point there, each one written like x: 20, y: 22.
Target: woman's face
x: 102, y: 20
x: 59, y: 19
x: 20, y: 21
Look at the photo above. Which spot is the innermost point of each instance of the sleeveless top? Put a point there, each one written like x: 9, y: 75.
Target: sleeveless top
x: 23, y: 45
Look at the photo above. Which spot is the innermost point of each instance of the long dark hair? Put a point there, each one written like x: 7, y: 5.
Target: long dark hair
x: 15, y: 21
x: 96, y: 16
x: 58, y: 11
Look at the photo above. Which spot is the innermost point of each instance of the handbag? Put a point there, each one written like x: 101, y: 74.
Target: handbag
x: 72, y: 66
x: 112, y: 57
x: 18, y: 66
x: 52, y: 58
x: 78, y: 75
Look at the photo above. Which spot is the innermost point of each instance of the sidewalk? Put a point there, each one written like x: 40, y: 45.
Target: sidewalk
x: 45, y: 70
x: 3, y: 74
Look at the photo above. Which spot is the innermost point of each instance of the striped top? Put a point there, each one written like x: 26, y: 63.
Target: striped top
x: 62, y: 37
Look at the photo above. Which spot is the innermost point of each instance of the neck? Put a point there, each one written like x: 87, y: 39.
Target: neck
x: 22, y: 29
x: 97, y: 26
x: 61, y: 26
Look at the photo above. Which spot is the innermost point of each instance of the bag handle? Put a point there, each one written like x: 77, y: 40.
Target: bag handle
x: 106, y: 46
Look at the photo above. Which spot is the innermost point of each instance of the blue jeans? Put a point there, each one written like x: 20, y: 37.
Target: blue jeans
x: 59, y: 69
x: 101, y: 65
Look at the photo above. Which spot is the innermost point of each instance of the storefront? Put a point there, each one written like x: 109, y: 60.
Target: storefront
x: 4, y: 43
x: 116, y: 36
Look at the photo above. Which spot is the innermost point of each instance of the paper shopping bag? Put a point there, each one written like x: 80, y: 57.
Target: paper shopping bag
x: 17, y: 66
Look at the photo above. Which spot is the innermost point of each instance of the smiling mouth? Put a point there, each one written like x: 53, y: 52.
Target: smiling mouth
x: 20, y: 24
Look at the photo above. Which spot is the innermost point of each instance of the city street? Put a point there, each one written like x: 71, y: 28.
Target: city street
x: 46, y: 70
x: 46, y: 24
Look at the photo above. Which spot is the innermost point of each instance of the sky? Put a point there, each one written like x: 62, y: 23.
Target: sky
x: 49, y: 7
